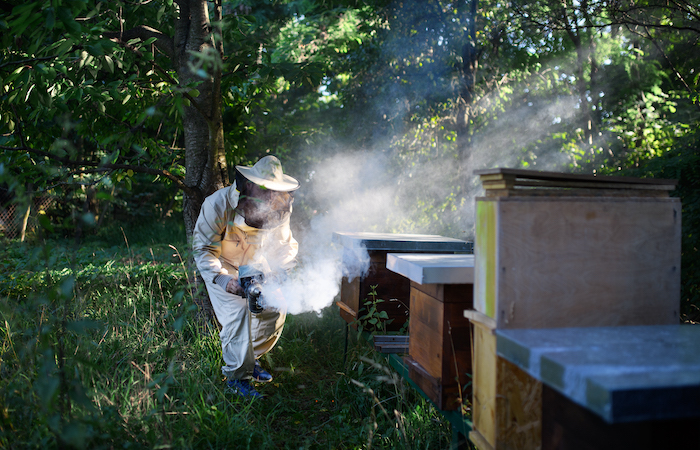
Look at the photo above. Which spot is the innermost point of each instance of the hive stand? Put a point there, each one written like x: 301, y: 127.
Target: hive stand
x: 391, y: 287
x: 562, y: 250
x: 612, y: 387
x: 439, y: 351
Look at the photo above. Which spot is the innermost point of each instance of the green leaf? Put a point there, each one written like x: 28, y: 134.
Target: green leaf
x: 25, y: 19
x: 95, y: 50
x: 66, y: 17
x: 45, y: 223
x: 108, y: 63
x: 50, y: 18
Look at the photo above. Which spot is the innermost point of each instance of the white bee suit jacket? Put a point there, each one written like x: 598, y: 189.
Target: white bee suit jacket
x: 222, y: 242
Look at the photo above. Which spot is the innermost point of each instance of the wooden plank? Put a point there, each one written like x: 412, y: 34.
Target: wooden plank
x: 497, y: 176
x: 476, y: 316
x: 507, y: 173
x: 518, y: 408
x: 479, y: 440
x: 506, y: 405
x: 485, y: 257
x: 392, y: 348
x: 484, y: 376
x: 457, y: 347
x: 448, y: 293
x: 445, y: 394
x: 346, y: 309
x: 436, y: 291
x: 575, y: 192
x: 349, y: 299
x: 508, y: 184
x: 581, y: 262
x: 511, y: 184
x: 426, y: 331
x: 431, y: 386
x: 390, y: 338
x: 391, y: 343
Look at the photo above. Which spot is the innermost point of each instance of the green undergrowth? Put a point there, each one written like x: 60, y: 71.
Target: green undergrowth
x: 101, y: 347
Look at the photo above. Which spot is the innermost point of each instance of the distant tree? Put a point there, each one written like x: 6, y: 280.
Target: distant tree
x: 93, y: 93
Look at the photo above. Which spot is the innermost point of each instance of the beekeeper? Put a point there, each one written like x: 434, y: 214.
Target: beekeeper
x: 246, y: 223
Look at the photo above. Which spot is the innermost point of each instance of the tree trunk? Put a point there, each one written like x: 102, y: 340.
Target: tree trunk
x: 203, y: 129
x: 23, y: 224
x: 205, y: 162
x: 466, y: 92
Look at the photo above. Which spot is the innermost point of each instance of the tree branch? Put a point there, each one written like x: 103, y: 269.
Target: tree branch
x: 21, y: 62
x: 92, y: 167
x: 143, y: 32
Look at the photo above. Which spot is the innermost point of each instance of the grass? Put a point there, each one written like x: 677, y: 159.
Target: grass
x: 100, y: 348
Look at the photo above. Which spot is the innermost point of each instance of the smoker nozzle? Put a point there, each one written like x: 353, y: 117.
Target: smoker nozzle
x: 254, y: 293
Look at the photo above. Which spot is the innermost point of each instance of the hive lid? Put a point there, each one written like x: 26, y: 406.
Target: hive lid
x: 505, y: 180
x: 401, y: 242
x: 426, y: 268
x: 623, y: 374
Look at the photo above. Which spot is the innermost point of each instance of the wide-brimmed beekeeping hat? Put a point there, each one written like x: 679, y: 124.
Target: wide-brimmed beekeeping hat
x: 267, y: 173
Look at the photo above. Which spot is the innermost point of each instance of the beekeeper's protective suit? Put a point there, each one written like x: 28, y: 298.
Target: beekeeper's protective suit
x: 245, y: 223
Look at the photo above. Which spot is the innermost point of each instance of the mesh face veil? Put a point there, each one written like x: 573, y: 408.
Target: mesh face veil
x: 262, y: 208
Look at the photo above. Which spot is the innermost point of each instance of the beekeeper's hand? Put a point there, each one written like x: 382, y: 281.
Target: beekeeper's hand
x: 234, y: 287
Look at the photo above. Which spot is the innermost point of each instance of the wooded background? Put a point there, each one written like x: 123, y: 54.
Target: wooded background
x: 137, y: 110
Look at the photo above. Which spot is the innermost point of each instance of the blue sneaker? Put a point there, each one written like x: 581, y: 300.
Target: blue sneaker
x: 243, y: 389
x: 261, y: 375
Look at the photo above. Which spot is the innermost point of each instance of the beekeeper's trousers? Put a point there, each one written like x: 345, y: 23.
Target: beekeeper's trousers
x: 245, y: 337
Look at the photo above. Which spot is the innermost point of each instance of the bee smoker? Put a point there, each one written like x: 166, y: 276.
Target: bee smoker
x: 251, y: 280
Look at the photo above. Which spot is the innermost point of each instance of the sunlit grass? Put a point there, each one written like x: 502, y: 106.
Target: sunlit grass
x: 101, y: 348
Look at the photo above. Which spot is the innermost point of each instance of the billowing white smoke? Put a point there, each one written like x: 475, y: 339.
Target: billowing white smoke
x: 315, y: 282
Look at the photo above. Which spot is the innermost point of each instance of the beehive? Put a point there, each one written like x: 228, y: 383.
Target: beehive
x: 391, y: 287
x: 439, y: 355
x: 562, y: 250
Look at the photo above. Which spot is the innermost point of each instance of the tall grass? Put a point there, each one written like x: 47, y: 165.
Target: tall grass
x: 100, y: 348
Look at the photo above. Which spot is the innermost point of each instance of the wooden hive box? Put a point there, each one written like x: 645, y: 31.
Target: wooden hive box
x: 612, y: 387
x: 439, y: 349
x: 562, y: 250
x: 393, y: 288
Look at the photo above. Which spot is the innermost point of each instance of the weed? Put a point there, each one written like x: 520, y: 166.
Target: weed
x: 373, y: 320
